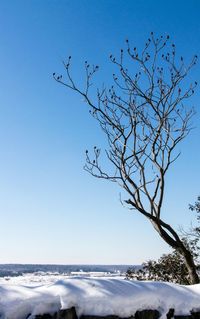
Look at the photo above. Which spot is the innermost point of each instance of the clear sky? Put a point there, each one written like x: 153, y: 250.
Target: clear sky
x: 51, y: 210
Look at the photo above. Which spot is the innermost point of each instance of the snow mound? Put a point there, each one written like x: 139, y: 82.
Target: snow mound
x: 97, y: 296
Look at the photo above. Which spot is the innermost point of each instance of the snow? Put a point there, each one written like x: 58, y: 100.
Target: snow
x: 102, y: 296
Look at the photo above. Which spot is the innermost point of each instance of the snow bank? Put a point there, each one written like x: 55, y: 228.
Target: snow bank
x: 97, y: 296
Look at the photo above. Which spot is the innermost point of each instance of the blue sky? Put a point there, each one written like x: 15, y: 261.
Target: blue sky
x: 51, y: 210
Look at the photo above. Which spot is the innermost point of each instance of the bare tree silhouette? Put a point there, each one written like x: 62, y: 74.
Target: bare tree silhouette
x: 144, y: 118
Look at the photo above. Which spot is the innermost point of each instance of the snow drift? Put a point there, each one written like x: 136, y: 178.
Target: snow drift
x: 97, y: 296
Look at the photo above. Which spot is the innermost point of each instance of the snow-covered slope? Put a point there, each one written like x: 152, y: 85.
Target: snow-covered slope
x: 96, y: 296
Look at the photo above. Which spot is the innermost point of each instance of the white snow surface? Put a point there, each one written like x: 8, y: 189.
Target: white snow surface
x: 102, y: 296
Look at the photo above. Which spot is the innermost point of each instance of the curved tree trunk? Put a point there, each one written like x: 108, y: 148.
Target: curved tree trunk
x: 189, y: 262
x: 169, y: 235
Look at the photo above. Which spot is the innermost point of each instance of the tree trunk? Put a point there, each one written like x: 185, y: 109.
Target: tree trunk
x: 176, y: 243
x: 189, y: 262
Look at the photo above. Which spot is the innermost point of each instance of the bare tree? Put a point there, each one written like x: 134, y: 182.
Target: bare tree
x: 144, y: 118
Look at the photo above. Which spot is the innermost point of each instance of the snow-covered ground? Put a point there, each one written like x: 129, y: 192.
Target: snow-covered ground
x: 46, y: 278
x: 94, y: 295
